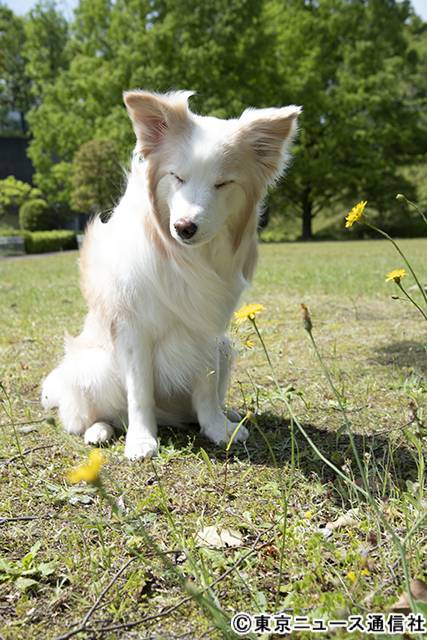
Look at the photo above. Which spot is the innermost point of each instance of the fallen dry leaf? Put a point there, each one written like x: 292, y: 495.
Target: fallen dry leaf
x: 348, y: 519
x: 270, y: 550
x: 419, y: 592
x: 219, y: 538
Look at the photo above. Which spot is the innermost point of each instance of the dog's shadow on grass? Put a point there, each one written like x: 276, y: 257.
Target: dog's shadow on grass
x: 272, y: 441
x: 404, y: 353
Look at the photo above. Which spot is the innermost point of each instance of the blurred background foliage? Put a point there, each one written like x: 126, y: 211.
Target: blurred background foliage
x: 358, y: 67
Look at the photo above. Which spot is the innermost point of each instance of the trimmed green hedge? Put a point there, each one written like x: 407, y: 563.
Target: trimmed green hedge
x: 13, y: 233
x: 44, y: 241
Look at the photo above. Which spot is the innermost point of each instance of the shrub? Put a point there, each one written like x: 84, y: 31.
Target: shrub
x: 35, y: 215
x: 13, y: 233
x: 13, y: 194
x: 96, y: 176
x: 10, y: 231
x: 44, y: 241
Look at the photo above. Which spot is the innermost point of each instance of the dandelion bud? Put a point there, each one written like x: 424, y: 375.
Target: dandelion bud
x: 308, y: 325
x: 413, y: 413
x: 400, y: 196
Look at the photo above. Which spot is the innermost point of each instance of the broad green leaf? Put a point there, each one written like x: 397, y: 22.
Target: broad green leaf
x: 25, y: 583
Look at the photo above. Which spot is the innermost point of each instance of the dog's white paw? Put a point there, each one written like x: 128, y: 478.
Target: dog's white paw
x: 233, y: 415
x: 222, y: 430
x: 242, y: 435
x: 139, y: 449
x: 99, y: 433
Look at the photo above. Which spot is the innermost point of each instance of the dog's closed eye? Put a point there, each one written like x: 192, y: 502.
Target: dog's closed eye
x: 223, y: 184
x: 177, y: 178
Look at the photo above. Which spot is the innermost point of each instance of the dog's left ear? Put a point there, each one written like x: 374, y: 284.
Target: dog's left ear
x: 269, y: 132
x: 154, y: 115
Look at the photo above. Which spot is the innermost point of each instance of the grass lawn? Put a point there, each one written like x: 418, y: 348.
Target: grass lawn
x: 125, y: 561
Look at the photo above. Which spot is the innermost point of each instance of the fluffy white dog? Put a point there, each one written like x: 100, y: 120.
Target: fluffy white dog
x: 162, y: 277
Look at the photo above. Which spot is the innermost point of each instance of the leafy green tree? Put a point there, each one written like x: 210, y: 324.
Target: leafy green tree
x: 346, y: 61
x: 14, y: 82
x: 45, y: 53
x: 417, y: 87
x: 217, y: 48
x: 343, y: 62
x: 96, y: 177
x: 210, y: 47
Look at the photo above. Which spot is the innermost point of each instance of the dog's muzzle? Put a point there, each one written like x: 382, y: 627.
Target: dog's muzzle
x: 185, y: 228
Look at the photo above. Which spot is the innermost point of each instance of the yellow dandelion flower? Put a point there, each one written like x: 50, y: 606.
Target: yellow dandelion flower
x: 356, y: 213
x: 248, y: 312
x: 88, y: 472
x: 396, y: 275
x: 249, y: 344
x: 365, y: 572
x: 308, y: 515
x: 351, y: 577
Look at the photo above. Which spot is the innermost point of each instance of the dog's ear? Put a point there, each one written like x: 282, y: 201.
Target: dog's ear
x: 153, y: 115
x: 269, y: 132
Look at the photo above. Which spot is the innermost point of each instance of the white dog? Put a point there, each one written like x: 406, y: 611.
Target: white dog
x: 162, y: 277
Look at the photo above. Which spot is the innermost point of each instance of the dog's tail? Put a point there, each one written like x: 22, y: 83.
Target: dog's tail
x: 51, y: 389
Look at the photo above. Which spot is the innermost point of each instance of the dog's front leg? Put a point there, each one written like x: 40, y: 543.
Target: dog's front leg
x: 136, y: 359
x: 214, y: 424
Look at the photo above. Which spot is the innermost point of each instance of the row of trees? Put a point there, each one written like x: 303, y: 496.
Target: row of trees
x: 93, y: 182
x: 356, y: 66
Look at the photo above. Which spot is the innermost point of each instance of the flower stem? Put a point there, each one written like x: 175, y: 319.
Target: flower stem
x: 416, y: 207
x: 365, y: 491
x: 412, y: 300
x: 401, y: 547
x: 398, y: 249
x: 263, y: 346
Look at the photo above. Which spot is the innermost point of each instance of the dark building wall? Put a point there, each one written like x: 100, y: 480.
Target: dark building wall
x: 14, y: 160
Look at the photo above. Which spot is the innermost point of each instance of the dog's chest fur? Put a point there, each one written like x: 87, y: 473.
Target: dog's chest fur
x: 181, y: 307
x: 185, y: 310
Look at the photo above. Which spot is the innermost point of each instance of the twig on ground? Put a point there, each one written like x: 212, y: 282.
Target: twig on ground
x: 21, y: 423
x: 105, y: 590
x: 25, y: 453
x: 172, y: 608
x: 24, y: 518
x: 83, y: 625
x: 399, y: 427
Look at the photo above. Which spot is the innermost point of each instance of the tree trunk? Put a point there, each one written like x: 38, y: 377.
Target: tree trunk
x: 24, y: 127
x: 307, y: 214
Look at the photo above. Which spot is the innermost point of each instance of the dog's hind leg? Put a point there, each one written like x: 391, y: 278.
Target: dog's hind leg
x: 99, y: 433
x: 225, y: 359
x: 87, y: 392
x: 60, y: 391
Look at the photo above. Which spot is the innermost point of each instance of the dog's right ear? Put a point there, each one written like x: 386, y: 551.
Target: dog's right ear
x: 154, y: 115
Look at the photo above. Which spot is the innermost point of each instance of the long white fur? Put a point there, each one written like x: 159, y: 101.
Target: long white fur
x: 154, y: 347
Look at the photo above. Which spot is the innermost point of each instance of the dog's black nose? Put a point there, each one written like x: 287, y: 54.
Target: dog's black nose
x: 185, y: 228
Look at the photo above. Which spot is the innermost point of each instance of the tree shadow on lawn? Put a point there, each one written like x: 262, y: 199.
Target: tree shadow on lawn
x: 404, y: 353
x: 390, y: 465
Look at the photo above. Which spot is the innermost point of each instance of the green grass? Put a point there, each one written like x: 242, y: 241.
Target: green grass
x: 276, y: 492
